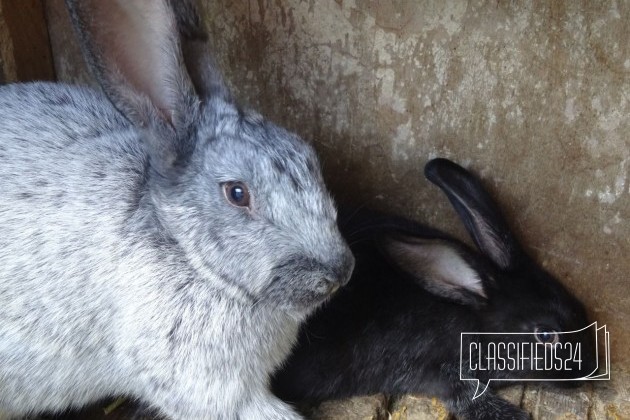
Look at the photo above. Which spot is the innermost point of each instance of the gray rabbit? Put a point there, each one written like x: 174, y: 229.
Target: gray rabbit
x: 156, y: 241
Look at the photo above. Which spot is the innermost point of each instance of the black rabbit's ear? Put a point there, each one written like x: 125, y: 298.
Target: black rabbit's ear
x: 438, y: 266
x: 481, y: 216
x: 133, y: 49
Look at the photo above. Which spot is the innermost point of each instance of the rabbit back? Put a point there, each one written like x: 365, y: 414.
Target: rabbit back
x: 72, y: 173
x: 61, y: 138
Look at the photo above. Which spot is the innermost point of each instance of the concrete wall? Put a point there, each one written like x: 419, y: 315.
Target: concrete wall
x: 534, y: 96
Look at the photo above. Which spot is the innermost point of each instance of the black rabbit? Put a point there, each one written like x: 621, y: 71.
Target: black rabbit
x: 395, y: 328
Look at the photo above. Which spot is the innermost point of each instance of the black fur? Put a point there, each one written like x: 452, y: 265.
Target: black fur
x: 393, y: 331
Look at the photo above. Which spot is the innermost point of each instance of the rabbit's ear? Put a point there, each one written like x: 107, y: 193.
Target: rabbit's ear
x: 436, y: 265
x: 196, y: 49
x: 481, y: 216
x: 133, y: 48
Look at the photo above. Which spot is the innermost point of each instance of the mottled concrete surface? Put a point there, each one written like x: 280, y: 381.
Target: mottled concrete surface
x: 534, y: 96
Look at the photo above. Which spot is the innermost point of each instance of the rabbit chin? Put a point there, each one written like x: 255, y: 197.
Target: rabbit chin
x: 298, y: 294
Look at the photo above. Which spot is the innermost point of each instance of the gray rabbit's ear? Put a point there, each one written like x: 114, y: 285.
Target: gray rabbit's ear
x: 133, y: 48
x: 437, y: 266
x: 478, y: 211
x: 201, y: 65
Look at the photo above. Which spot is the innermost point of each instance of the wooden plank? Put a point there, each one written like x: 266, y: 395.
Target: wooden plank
x: 7, y: 63
x: 359, y: 408
x: 24, y: 45
x: 553, y: 403
x: 416, y: 407
x: 69, y: 63
x: 611, y: 399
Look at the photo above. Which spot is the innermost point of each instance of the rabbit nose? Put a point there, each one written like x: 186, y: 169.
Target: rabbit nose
x: 340, y: 275
x: 346, y: 267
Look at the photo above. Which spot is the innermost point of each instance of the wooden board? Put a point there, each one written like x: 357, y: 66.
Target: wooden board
x: 24, y: 44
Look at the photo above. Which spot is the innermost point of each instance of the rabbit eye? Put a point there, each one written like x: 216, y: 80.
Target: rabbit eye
x: 546, y: 335
x: 236, y: 193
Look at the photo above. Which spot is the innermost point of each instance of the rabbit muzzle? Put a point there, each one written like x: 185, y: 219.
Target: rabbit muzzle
x: 303, y: 283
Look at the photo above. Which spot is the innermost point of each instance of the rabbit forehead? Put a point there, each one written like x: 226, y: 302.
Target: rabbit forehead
x: 533, y: 297
x: 279, y: 167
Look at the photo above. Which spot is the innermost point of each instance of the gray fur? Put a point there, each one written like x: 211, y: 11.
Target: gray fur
x: 123, y: 268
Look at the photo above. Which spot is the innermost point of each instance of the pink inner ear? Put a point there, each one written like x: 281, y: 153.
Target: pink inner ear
x: 447, y: 266
x: 435, y: 264
x: 138, y: 42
